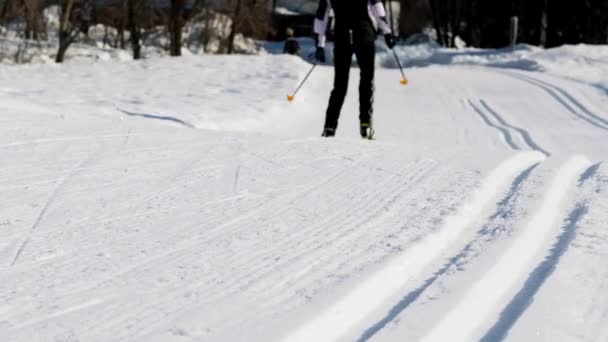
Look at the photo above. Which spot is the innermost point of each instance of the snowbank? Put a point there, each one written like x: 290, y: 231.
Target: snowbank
x: 584, y: 63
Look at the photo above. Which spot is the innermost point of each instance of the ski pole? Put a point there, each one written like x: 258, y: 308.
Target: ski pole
x: 293, y: 96
x: 404, y: 81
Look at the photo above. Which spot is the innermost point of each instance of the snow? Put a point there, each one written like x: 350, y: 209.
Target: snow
x: 187, y: 200
x: 583, y: 63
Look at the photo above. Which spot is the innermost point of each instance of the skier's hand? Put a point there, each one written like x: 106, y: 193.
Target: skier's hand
x: 320, y: 54
x: 390, y: 39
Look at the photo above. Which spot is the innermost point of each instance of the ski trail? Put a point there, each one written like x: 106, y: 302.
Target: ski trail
x: 503, y: 208
x: 525, y: 135
x: 70, y: 310
x: 565, y: 99
x: 537, y: 278
x: 67, y: 139
x: 524, y: 298
x: 506, y: 134
x: 350, y: 310
x: 60, y: 184
x: 481, y: 300
x: 572, y: 100
x: 7, y: 252
x: 493, y: 119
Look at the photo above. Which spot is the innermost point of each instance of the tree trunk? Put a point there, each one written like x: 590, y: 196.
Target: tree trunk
x: 135, y: 36
x: 437, y: 22
x: 105, y: 36
x: 65, y: 30
x: 61, y: 52
x: 122, y: 23
x: 121, y: 35
x: 457, y: 15
x: 28, y: 20
x: 175, y: 27
x: 36, y: 18
x: 233, y: 27
x: 447, y: 26
x: 469, y: 19
x: 31, y: 9
x: 544, y: 24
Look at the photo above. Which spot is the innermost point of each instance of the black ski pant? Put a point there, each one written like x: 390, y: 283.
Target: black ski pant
x: 358, y: 41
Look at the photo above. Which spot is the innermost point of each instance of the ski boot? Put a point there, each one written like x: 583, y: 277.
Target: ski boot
x: 367, y: 132
x: 329, y: 133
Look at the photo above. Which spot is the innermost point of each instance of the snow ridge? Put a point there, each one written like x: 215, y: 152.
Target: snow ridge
x: 349, y: 312
x: 485, y: 295
x: 568, y: 101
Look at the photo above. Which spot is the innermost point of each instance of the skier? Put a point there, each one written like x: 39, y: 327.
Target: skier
x: 354, y: 33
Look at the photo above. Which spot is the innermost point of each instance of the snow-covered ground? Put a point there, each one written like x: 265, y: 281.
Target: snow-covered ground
x: 187, y: 200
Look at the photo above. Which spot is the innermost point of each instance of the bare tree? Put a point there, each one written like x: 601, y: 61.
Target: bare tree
x: 75, y: 18
x: 140, y: 18
x: 29, y: 11
x: 67, y: 32
x: 215, y: 25
x: 235, y: 19
x: 134, y: 27
x: 175, y: 27
x: 33, y: 18
x: 435, y: 10
x: 3, y: 8
x: 122, y: 18
x: 249, y: 17
x: 6, y: 6
x: 414, y: 15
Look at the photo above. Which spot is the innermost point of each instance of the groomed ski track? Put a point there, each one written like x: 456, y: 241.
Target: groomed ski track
x: 126, y: 217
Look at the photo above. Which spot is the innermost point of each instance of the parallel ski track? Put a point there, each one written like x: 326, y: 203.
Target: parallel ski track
x: 347, y: 314
x: 503, y: 130
x: 525, y: 135
x: 492, y: 118
x: 522, y: 300
x: 565, y: 99
x: 512, y: 266
x: 489, y: 231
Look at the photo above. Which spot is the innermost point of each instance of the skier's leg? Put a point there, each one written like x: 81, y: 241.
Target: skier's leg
x: 365, y: 49
x: 342, y: 63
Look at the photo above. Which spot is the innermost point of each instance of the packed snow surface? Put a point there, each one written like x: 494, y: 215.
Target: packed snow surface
x: 187, y: 200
